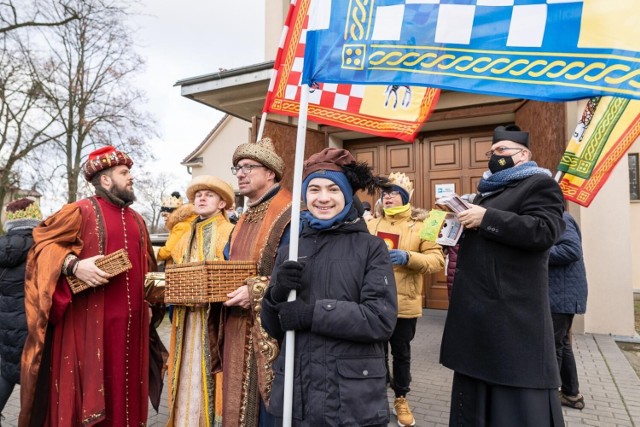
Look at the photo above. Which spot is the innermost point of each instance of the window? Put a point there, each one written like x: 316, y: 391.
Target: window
x: 634, y: 175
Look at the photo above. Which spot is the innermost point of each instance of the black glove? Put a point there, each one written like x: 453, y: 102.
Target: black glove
x: 288, y: 277
x: 295, y: 315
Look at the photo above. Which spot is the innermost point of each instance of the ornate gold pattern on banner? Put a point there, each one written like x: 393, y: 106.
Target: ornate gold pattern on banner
x: 358, y: 29
x: 358, y: 24
x: 585, y: 190
x: 354, y: 56
x: 352, y: 118
x: 359, y: 120
x: 519, y: 67
x: 290, y: 57
x: 581, y: 164
x: 588, y: 159
x: 257, y: 213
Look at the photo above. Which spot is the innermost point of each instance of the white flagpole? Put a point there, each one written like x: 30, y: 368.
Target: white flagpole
x: 558, y: 176
x: 263, y: 120
x: 293, y: 249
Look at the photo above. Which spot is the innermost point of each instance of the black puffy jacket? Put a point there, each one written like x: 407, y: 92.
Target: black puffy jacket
x: 14, y: 247
x: 340, y: 374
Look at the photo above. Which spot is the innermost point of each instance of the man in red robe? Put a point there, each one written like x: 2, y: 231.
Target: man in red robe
x: 86, y: 359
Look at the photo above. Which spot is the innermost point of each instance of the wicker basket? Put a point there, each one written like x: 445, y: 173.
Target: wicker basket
x: 205, y: 281
x: 114, y: 264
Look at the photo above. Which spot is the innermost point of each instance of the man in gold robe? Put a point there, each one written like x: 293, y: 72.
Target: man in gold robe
x: 195, y: 371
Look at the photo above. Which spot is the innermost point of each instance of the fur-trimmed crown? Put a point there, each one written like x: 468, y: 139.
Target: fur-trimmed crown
x: 401, y: 180
x: 171, y: 202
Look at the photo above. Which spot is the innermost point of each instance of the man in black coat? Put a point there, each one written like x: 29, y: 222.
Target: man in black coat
x: 568, y: 297
x: 22, y: 216
x: 498, y: 336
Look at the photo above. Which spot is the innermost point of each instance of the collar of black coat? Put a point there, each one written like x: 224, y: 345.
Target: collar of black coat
x: 20, y: 224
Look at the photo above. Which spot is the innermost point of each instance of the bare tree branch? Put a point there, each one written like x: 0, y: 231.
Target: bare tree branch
x: 150, y: 189
x: 12, y: 19
x: 25, y: 122
x: 87, y: 81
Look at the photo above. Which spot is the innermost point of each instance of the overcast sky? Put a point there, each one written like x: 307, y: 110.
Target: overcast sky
x: 186, y: 39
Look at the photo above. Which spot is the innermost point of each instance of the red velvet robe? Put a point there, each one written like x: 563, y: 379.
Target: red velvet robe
x: 99, y: 337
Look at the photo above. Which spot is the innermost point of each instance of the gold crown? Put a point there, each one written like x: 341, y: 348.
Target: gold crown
x: 401, y: 180
x: 171, y: 202
x: 30, y: 212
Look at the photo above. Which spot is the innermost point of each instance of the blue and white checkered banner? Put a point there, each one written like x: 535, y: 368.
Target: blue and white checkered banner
x: 550, y: 50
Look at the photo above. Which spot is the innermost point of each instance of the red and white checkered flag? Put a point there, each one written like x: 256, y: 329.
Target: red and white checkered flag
x: 391, y: 111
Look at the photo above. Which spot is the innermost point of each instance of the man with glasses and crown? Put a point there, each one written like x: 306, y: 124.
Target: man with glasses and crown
x: 412, y: 258
x: 498, y: 337
x: 249, y: 351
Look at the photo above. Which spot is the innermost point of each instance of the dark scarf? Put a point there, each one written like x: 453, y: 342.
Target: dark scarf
x: 266, y: 196
x: 493, y: 182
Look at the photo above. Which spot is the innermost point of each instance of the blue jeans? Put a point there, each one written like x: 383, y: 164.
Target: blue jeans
x: 566, y: 362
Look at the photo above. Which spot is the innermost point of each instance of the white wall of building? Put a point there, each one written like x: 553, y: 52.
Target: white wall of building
x: 275, y: 14
x: 607, y: 247
x: 635, y: 231
x: 218, y: 153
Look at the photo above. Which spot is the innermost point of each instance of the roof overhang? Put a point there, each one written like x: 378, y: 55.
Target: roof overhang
x: 239, y: 92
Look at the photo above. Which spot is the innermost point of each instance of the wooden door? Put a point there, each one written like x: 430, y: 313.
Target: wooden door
x: 459, y: 160
x: 444, y: 158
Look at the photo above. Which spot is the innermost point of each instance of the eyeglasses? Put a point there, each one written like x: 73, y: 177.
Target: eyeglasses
x: 500, y: 150
x: 392, y: 193
x: 246, y: 169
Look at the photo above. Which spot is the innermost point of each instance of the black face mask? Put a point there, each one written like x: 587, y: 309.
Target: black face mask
x: 499, y: 163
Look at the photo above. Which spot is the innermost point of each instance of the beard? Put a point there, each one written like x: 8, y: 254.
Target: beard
x: 123, y: 193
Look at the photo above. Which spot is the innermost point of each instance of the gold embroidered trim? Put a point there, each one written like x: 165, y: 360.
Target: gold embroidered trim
x: 91, y: 418
x: 267, y: 346
x: 246, y: 380
x: 257, y: 213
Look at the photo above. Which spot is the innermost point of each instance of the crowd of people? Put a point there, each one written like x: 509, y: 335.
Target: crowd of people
x: 91, y: 355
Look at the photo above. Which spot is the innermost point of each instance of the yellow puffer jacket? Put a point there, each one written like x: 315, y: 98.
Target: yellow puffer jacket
x: 424, y: 257
x: 179, y: 222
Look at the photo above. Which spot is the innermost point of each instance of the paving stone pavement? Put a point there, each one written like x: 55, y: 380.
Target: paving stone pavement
x: 610, y: 386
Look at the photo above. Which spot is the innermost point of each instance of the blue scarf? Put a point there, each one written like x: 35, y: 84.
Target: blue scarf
x: 493, y: 182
